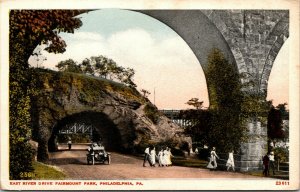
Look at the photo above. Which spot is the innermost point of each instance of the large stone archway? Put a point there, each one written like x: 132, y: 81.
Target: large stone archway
x: 250, y: 39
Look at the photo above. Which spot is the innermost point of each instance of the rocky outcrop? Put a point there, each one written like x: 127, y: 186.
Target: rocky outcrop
x: 116, y: 111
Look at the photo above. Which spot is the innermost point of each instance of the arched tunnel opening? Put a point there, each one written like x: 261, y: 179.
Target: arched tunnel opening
x: 103, y: 130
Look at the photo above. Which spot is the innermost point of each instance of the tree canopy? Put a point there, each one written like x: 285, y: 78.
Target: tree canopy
x: 34, y: 27
x: 275, y: 122
x: 225, y: 97
x: 100, y: 66
x: 195, y: 103
x: 145, y: 92
x: 69, y: 66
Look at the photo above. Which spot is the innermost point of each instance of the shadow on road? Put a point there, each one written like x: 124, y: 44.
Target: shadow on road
x: 72, y: 161
x: 61, y: 150
x: 66, y: 161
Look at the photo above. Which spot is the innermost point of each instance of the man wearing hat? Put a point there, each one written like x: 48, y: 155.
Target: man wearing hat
x: 272, y: 162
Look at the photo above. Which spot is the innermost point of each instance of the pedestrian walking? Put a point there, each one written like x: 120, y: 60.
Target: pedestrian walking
x: 165, y: 156
x: 266, y: 165
x: 230, y: 161
x: 169, y: 155
x: 69, y: 143
x: 213, y: 159
x: 160, y: 157
x: 272, y: 162
x: 147, y: 156
x: 153, y: 157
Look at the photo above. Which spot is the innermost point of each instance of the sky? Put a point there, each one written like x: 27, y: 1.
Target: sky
x: 163, y: 63
x: 278, y: 84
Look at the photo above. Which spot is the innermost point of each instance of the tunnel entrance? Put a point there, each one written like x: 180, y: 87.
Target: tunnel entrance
x: 86, y: 127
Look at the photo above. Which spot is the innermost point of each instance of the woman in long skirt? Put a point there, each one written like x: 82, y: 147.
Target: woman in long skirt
x: 169, y: 162
x: 213, y: 159
x: 160, y: 157
x: 165, y: 157
x: 153, y: 157
x: 230, y: 161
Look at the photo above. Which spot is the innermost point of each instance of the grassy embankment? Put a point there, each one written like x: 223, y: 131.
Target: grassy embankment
x: 46, y: 172
x: 88, y: 86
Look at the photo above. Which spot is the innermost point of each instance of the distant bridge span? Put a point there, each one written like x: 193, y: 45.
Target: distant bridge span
x: 176, y: 117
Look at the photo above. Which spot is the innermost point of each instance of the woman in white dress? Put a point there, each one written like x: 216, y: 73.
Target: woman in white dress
x: 213, y: 159
x: 152, y: 157
x: 160, y: 157
x: 165, y: 157
x: 230, y: 161
x: 169, y: 162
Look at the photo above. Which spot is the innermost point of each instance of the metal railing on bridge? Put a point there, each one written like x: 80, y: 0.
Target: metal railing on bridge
x: 77, y: 128
x: 175, y: 117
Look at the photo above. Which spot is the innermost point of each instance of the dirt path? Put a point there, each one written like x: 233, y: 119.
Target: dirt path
x: 74, y: 164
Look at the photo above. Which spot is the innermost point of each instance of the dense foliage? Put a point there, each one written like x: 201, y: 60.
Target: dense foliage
x: 76, y: 138
x: 27, y: 29
x: 225, y: 96
x: 275, y: 129
x: 145, y: 93
x: 195, y: 103
x: 198, y: 125
x: 281, y: 154
x: 99, y: 66
x: 151, y: 112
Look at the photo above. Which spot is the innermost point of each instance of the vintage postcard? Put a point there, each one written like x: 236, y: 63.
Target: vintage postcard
x: 149, y: 95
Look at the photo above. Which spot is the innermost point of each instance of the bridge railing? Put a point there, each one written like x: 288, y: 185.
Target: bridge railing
x: 77, y: 128
x: 176, y: 118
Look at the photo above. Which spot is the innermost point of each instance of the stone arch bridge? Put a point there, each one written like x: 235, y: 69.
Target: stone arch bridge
x: 249, y: 39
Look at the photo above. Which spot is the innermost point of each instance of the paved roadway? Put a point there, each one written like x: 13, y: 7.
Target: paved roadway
x: 74, y: 164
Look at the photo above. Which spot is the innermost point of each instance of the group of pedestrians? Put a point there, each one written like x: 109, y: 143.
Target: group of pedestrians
x: 268, y: 162
x: 163, y: 158
x: 212, y: 164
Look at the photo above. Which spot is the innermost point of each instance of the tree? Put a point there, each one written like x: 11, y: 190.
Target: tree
x: 39, y: 58
x: 283, y: 110
x: 127, y: 77
x: 224, y: 85
x: 198, y: 124
x: 195, y: 102
x: 278, y: 131
x: 69, y: 66
x: 86, y: 67
x: 145, y: 93
x: 27, y: 29
x: 100, y: 66
x: 275, y: 122
x: 225, y: 97
x: 34, y: 27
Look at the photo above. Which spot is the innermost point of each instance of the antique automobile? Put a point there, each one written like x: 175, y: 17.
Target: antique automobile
x: 97, y: 153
